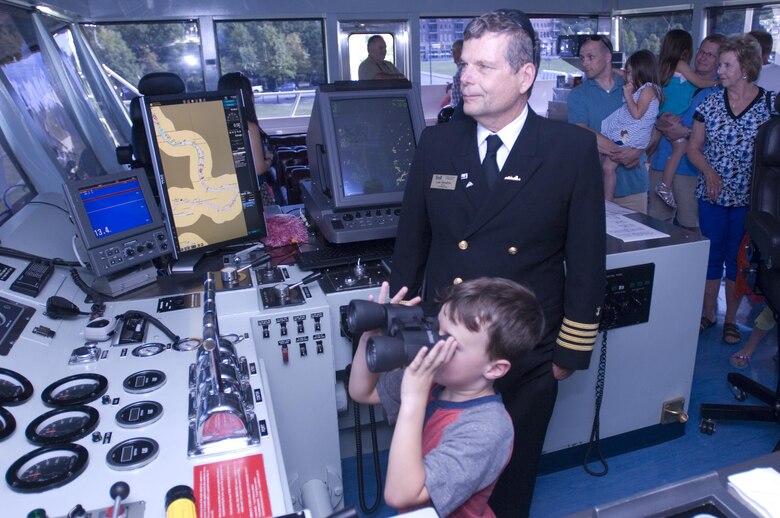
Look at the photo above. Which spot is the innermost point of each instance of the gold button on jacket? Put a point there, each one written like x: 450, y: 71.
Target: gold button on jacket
x: 512, y: 250
x: 463, y: 245
x: 457, y: 280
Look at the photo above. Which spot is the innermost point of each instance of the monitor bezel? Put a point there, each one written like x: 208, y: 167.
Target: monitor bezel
x: 328, y: 179
x: 73, y: 189
x: 165, y: 205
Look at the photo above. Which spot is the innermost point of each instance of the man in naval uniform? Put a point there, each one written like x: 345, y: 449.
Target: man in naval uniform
x: 529, y: 207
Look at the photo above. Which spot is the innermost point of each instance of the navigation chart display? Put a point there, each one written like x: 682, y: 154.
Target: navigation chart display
x: 204, y: 169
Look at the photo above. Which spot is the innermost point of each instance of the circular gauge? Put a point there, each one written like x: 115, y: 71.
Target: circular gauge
x: 47, y: 468
x: 7, y: 424
x: 144, y: 381
x: 75, y: 390
x: 132, y: 453
x: 187, y: 344
x: 139, y: 414
x: 62, y: 425
x: 146, y: 350
x: 14, y: 388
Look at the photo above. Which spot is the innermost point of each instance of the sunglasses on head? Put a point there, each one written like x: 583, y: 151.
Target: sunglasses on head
x: 603, y: 39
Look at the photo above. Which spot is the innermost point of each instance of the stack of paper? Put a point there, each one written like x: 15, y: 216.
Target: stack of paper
x: 759, y: 488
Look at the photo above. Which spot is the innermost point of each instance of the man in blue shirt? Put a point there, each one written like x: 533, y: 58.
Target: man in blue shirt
x: 591, y: 102
x: 673, y: 127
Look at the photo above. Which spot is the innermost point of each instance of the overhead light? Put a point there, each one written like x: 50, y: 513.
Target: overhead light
x: 49, y: 11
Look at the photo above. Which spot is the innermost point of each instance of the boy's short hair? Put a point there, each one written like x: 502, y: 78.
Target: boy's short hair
x: 508, y: 311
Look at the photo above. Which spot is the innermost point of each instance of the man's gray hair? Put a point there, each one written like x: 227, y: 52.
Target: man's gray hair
x: 521, y: 43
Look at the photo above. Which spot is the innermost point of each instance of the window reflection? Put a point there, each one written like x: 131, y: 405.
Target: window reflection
x: 24, y: 70
x: 14, y: 188
x: 646, y: 31
x: 64, y: 40
x: 132, y: 50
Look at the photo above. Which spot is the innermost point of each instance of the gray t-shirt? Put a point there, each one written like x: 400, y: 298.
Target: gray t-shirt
x: 465, y: 447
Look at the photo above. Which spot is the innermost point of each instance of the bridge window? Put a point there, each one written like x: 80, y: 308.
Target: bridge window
x: 358, y: 50
x: 645, y: 31
x: 733, y: 20
x: 284, y: 59
x: 438, y: 34
x: 38, y: 132
x: 129, y: 51
x: 80, y: 77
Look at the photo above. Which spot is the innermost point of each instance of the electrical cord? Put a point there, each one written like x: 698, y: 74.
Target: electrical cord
x: 359, y: 457
x: 133, y: 312
x: 595, y: 440
x: 355, y: 337
x: 10, y: 252
x: 76, y: 252
x: 96, y: 296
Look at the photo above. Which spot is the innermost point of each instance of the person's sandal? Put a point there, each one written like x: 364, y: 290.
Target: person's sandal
x: 666, y: 194
x: 739, y: 361
x: 731, y: 334
x: 705, y: 323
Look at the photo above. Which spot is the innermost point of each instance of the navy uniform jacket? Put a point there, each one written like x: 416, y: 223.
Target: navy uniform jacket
x: 541, y: 225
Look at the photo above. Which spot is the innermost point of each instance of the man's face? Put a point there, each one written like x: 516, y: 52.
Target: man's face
x: 493, y: 94
x: 596, y: 59
x: 377, y: 50
x: 707, y: 59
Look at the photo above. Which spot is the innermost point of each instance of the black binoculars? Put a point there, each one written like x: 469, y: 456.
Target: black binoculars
x: 405, y: 330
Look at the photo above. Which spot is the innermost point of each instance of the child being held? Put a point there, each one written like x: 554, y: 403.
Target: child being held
x: 447, y: 414
x: 632, y: 124
x: 679, y: 83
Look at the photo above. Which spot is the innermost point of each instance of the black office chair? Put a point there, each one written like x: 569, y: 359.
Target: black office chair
x: 445, y: 114
x: 136, y: 154
x: 763, y: 225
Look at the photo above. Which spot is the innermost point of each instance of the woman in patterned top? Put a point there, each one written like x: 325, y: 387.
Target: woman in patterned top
x: 721, y: 147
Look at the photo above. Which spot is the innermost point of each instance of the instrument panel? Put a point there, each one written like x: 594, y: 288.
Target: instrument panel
x: 79, y: 416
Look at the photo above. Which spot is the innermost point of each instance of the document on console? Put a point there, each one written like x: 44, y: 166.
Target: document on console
x: 626, y: 229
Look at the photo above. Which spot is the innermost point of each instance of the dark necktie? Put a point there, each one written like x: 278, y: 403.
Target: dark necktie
x: 490, y: 164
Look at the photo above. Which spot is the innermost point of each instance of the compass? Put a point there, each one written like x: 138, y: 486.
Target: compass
x: 14, y: 388
x: 47, y: 468
x: 150, y: 349
x: 75, y: 390
x: 62, y: 425
x: 187, y: 344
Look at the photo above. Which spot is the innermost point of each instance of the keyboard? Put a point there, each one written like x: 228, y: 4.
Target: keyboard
x: 330, y: 255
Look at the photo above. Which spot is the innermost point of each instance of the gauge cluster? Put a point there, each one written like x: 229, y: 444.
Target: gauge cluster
x: 77, y: 419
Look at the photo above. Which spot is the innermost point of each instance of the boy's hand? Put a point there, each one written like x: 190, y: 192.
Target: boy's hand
x: 418, y: 375
x: 398, y: 298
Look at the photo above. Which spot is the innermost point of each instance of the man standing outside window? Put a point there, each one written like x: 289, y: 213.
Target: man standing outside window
x: 375, y: 66
x: 493, y: 195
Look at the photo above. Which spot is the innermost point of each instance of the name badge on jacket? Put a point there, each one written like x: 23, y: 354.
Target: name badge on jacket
x: 444, y: 181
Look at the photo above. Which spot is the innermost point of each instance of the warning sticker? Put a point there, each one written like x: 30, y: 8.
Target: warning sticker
x: 232, y: 489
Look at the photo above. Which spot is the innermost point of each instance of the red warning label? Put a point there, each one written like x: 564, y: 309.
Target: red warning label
x: 232, y: 489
